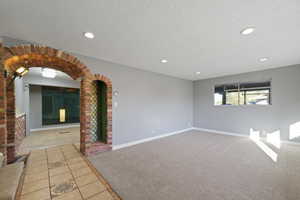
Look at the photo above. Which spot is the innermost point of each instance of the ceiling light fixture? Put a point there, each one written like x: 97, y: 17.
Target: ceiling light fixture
x: 89, y: 35
x: 48, y: 73
x: 263, y: 59
x: 21, y: 71
x: 247, y: 30
x: 198, y: 73
x: 164, y: 61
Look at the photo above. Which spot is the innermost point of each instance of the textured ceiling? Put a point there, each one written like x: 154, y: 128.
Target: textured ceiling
x: 193, y: 35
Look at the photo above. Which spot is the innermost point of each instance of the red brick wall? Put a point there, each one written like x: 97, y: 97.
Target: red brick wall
x: 20, y: 130
x: 11, y: 117
x: 96, y: 147
x: 3, y: 134
x: 40, y: 56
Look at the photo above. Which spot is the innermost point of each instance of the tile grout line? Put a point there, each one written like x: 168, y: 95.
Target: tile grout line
x: 102, y: 180
x: 71, y: 173
x: 98, y: 180
x: 25, y: 175
x: 64, y: 152
x: 48, y: 170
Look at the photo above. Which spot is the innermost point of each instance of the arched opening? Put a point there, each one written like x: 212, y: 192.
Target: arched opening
x: 39, y: 56
x: 101, y: 114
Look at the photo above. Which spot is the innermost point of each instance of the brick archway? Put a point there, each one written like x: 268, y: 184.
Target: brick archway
x: 95, y: 147
x: 40, y: 56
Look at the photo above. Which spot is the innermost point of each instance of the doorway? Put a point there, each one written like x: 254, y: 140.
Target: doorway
x: 29, y: 56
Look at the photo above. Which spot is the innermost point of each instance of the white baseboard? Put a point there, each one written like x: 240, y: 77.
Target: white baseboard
x: 220, y: 132
x: 120, y: 146
x: 54, y: 127
x: 290, y: 142
x: 239, y: 135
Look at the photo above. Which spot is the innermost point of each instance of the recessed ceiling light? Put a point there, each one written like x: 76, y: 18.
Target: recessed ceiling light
x: 164, y: 61
x: 263, y: 59
x: 247, y: 30
x: 89, y: 35
x: 198, y: 73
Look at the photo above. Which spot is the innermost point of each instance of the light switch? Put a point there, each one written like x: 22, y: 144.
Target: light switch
x: 116, y: 104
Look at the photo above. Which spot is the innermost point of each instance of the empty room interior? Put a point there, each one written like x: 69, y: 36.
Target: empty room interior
x: 149, y: 100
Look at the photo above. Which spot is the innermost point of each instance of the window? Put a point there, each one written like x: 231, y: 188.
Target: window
x: 258, y: 93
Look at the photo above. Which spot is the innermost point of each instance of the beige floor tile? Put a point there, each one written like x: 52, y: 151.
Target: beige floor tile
x: 55, y: 155
x: 58, y: 170
x: 63, y: 188
x: 38, y: 153
x: 86, y: 179
x: 55, y: 148
x: 36, y: 177
x: 35, y: 170
x: 56, y: 158
x: 68, y: 148
x: 70, y: 153
x: 75, y: 195
x: 36, y: 163
x: 52, y: 165
x: 61, y: 178
x: 91, y: 189
x: 78, y: 165
x: 38, y: 156
x: 37, y: 159
x: 35, y: 186
x: 50, y: 139
x: 43, y: 194
x: 81, y: 171
x: 102, y: 196
x: 53, y: 152
x: 74, y: 160
x: 72, y: 156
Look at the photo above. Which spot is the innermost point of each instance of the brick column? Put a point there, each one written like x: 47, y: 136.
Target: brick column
x: 11, y: 120
x: 3, y: 132
x: 85, y: 90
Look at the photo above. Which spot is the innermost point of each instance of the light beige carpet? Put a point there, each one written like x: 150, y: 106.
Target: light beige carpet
x: 202, y: 166
x: 49, y: 138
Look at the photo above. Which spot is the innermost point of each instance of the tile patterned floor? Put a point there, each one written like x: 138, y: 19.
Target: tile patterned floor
x: 49, y: 138
x: 62, y: 173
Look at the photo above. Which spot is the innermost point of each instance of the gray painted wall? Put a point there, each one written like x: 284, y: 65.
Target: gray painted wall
x: 35, y: 113
x: 284, y: 111
x: 19, y: 95
x: 148, y: 104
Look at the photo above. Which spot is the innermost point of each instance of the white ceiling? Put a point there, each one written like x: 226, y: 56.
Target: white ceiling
x: 193, y: 35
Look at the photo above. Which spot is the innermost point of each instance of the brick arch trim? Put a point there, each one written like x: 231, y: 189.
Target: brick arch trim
x: 40, y: 56
x: 108, y: 82
x: 93, y: 148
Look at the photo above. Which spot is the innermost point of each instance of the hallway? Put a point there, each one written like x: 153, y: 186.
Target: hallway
x: 49, y: 138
